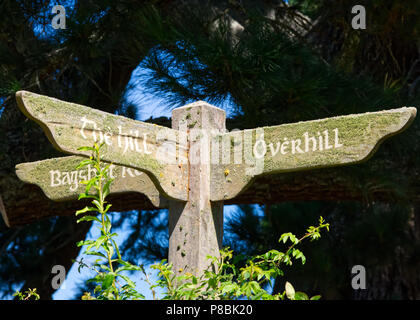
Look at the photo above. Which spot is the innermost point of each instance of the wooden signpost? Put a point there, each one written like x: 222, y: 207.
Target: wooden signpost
x: 195, y: 165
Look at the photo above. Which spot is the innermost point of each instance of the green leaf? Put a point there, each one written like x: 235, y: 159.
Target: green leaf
x: 129, y: 282
x: 255, y: 287
x: 107, y: 281
x: 85, y: 209
x: 85, y: 243
x: 105, y: 267
x: 278, y: 256
x: 97, y: 204
x: 297, y: 254
x: 128, y: 268
x: 301, y: 296
x: 116, y: 248
x: 287, y: 260
x: 246, y: 289
x: 84, y: 163
x: 317, y: 297
x: 106, y: 188
x: 85, y: 195
x: 284, y: 237
x: 107, y: 208
x: 90, y: 183
x: 107, y: 225
x: 229, y: 287
x: 124, y: 263
x: 95, y: 253
x: 89, y: 218
x: 99, y: 241
x: 290, y: 291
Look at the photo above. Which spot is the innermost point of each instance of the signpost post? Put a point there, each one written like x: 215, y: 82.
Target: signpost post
x: 195, y: 165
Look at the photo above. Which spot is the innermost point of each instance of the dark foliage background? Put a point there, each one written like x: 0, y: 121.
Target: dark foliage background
x: 272, y: 63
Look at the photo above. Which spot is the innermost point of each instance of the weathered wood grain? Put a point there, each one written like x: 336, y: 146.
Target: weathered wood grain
x: 300, y: 146
x: 154, y: 149
x: 60, y: 181
x: 196, y: 226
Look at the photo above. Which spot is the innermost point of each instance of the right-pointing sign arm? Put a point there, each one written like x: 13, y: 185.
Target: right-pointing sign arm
x: 304, y: 145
